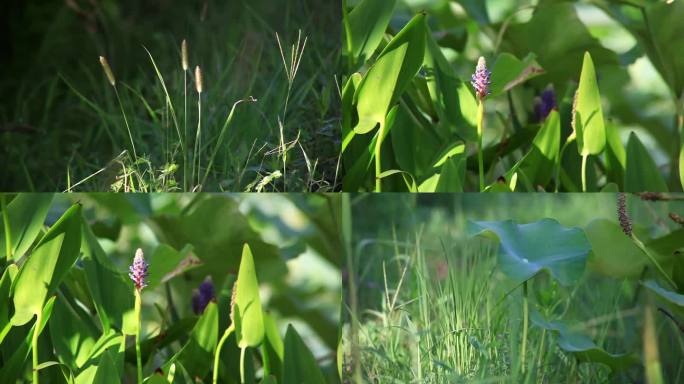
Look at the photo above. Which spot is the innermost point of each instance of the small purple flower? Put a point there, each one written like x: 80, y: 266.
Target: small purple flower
x: 544, y: 104
x: 203, y: 295
x: 481, y: 79
x: 138, y: 270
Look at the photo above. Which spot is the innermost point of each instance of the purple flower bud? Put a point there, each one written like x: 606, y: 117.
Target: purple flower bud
x: 480, y: 79
x: 138, y: 270
x: 544, y: 104
x: 202, y: 296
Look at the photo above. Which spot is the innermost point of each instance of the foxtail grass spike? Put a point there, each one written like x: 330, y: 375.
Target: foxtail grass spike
x: 198, y: 79
x: 624, y: 219
x: 108, y: 71
x: 138, y: 270
x: 481, y: 79
x: 184, y: 55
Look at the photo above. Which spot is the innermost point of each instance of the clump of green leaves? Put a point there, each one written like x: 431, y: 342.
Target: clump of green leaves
x: 406, y: 108
x: 68, y: 305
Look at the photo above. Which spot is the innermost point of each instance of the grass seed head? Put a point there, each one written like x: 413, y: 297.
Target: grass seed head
x: 624, y: 219
x: 108, y: 71
x: 184, y: 55
x: 198, y: 79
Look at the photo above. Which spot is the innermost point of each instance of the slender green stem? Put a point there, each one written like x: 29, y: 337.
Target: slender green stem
x: 185, y: 130
x: 378, y: 161
x: 541, y: 351
x: 138, y: 356
x: 223, y: 339
x: 8, y: 234
x: 128, y: 127
x: 348, y: 35
x: 198, y: 138
x: 221, y: 137
x: 653, y: 260
x: 680, y: 131
x: 584, y: 172
x: 526, y: 310
x: 34, y: 344
x: 242, y: 365
x: 480, y: 130
x: 560, y: 160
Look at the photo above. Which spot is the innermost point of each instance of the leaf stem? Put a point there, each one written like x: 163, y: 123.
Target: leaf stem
x: 378, y: 163
x: 128, y: 127
x: 34, y: 344
x: 223, y: 339
x: 480, y: 130
x: 680, y: 131
x: 525, y: 325
x: 653, y: 260
x: 8, y: 234
x: 198, y: 138
x: 185, y: 129
x: 138, y: 357
x: 584, y: 172
x: 242, y: 364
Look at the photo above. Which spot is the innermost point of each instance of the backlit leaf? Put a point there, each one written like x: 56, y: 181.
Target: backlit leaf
x: 250, y: 328
x: 527, y: 249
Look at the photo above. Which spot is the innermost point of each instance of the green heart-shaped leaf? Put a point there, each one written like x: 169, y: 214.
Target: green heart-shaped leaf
x: 589, y: 125
x: 196, y: 356
x: 249, y: 327
x: 613, y: 253
x: 107, y: 373
x: 367, y: 23
x: 273, y: 346
x: 527, y: 249
x: 105, y: 283
x: 299, y: 366
x: 393, y: 71
x: 641, y: 172
x: 455, y: 105
x: 538, y: 164
x: 509, y: 71
x: 26, y: 214
x: 46, y: 267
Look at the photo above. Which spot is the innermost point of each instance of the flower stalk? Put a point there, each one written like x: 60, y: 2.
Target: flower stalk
x: 626, y: 225
x: 480, y: 80
x: 138, y: 272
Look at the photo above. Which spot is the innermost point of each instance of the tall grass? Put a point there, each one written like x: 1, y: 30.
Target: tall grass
x: 85, y: 133
x: 434, y: 308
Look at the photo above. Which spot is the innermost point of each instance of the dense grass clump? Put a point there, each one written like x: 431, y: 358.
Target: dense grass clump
x: 265, y: 119
x: 429, y: 303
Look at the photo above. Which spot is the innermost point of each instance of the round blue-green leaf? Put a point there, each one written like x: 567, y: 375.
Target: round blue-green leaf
x: 527, y: 249
x: 673, y: 300
x: 582, y: 347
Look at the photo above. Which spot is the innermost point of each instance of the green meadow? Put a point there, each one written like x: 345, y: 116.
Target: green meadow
x: 265, y: 117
